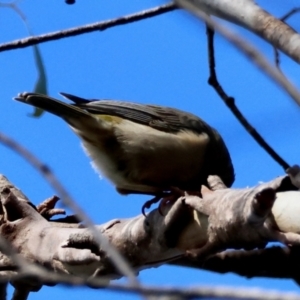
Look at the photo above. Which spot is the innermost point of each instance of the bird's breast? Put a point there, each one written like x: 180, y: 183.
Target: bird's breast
x: 138, y: 157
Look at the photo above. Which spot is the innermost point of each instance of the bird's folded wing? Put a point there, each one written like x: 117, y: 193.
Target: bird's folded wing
x: 159, y: 117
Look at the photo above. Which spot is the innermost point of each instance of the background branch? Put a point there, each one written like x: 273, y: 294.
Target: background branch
x: 34, y: 40
x: 250, y: 51
x: 120, y: 263
x: 230, y: 102
x: 180, y: 293
x: 3, y: 287
x: 251, y: 16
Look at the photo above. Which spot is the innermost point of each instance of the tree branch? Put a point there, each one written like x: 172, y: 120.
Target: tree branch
x: 191, y: 223
x: 146, y: 244
x: 75, y: 250
x: 3, y: 287
x: 120, y: 263
x: 283, y: 19
x: 252, y: 53
x: 230, y: 102
x: 34, y: 40
x: 248, y: 14
x: 254, y: 263
x: 178, y: 293
x: 21, y: 293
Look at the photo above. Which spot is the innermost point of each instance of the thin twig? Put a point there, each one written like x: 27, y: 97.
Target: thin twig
x: 33, y: 40
x: 277, y: 58
x: 14, y: 5
x: 117, y: 259
x: 21, y: 294
x: 183, y: 293
x: 290, y: 13
x: 246, y: 48
x: 230, y: 102
x: 3, y: 287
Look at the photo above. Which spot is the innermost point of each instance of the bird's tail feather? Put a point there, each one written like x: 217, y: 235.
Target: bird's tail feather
x: 52, y: 105
x: 75, y: 99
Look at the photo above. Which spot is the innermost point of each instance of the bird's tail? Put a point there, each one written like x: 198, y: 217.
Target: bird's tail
x: 52, y: 105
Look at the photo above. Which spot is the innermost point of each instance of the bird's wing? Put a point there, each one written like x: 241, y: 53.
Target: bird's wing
x: 172, y: 120
x: 161, y: 118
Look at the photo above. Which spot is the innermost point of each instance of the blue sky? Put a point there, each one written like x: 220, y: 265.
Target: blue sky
x: 163, y: 61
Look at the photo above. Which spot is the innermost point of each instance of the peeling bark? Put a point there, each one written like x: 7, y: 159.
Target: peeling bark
x: 221, y: 219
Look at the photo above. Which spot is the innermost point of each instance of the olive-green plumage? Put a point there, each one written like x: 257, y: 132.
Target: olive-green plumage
x: 144, y: 149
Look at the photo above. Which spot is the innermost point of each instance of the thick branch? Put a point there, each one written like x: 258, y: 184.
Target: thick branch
x: 254, y: 263
x: 46, y: 172
x: 284, y: 19
x: 191, y: 223
x: 75, y: 250
x: 249, y: 15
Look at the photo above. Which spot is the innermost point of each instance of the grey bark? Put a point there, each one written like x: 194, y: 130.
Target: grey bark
x: 192, y: 228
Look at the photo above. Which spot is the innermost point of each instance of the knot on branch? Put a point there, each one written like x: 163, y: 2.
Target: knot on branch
x: 245, y: 218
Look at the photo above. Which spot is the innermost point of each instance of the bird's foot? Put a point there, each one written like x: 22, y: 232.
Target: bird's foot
x: 172, y: 197
x: 148, y: 203
x: 165, y: 198
x: 169, y: 199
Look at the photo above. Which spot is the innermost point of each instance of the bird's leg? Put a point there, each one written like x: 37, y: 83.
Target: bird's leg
x: 165, y: 199
x: 148, y: 203
x: 172, y: 197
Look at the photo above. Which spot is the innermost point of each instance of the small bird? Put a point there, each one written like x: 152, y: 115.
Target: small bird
x: 143, y: 149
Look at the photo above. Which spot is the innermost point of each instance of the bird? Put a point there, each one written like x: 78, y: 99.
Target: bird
x: 143, y: 149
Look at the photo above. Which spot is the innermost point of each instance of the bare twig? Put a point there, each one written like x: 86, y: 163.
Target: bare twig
x: 183, y: 293
x: 230, y: 102
x: 22, y: 43
x: 3, y: 287
x: 117, y: 259
x: 21, y: 293
x: 252, y: 53
x: 290, y: 13
x: 14, y: 5
x: 277, y: 59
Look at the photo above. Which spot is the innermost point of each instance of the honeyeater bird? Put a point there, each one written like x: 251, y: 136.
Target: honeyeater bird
x: 143, y: 149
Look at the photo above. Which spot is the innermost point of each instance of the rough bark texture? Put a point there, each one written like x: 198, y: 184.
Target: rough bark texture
x: 191, y: 230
